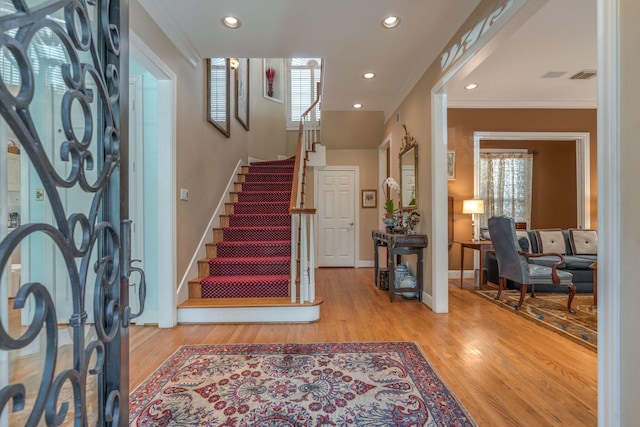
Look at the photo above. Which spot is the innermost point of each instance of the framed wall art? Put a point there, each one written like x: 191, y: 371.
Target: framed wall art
x: 451, y: 165
x: 369, y: 199
x: 242, y: 92
x: 218, y: 71
x: 273, y: 78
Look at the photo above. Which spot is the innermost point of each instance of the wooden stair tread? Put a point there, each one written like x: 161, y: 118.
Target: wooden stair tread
x: 245, y: 302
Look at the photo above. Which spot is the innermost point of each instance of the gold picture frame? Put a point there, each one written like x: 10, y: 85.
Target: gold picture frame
x: 369, y: 199
x: 218, y: 70
x: 242, y: 92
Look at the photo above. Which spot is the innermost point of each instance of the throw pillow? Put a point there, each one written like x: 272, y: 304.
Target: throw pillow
x: 551, y: 241
x: 524, y: 244
x: 584, y: 242
x: 523, y: 234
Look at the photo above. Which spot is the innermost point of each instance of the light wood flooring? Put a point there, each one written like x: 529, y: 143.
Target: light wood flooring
x: 505, y: 370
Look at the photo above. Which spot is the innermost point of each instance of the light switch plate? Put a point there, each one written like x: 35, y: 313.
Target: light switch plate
x: 39, y: 194
x: 184, y: 194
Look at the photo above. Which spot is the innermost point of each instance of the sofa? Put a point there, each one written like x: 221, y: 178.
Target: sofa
x: 579, y: 248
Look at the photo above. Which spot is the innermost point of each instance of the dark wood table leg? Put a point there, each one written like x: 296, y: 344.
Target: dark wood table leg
x: 392, y: 273
x: 376, y: 273
x: 461, y: 264
x: 481, y: 274
x: 420, y: 279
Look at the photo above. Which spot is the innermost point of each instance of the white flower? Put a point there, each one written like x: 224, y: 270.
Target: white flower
x: 392, y: 184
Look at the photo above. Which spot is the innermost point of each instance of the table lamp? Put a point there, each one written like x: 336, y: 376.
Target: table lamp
x: 473, y: 207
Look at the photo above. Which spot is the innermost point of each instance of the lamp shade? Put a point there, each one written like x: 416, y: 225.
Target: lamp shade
x: 473, y: 206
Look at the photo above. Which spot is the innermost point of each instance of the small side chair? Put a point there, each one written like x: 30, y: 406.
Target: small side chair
x: 513, y: 263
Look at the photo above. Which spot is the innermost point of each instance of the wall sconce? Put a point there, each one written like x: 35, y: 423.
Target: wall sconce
x: 473, y: 207
x: 233, y: 63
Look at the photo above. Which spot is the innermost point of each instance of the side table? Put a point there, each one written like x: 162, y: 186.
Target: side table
x: 398, y: 245
x: 478, y: 245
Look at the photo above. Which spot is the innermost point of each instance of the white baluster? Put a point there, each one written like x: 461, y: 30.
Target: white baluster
x: 294, y: 244
x: 312, y: 262
x: 304, y: 265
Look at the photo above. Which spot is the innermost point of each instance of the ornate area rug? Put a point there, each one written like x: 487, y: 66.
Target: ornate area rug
x: 329, y: 384
x: 550, y: 311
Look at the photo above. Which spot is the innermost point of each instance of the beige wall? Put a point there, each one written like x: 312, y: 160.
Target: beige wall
x: 629, y: 246
x: 352, y: 129
x: 267, y: 119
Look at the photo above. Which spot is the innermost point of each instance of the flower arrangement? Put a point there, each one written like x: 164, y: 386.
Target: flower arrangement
x: 271, y: 75
x: 413, y: 219
x: 388, y: 185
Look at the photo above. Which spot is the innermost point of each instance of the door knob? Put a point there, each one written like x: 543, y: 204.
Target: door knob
x: 351, y: 223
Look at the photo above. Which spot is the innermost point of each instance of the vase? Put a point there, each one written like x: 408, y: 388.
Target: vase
x: 399, y: 273
x: 270, y: 90
x: 408, y: 281
x: 388, y: 222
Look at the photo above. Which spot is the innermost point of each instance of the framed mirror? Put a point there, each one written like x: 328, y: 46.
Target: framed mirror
x: 218, y: 71
x: 409, y: 178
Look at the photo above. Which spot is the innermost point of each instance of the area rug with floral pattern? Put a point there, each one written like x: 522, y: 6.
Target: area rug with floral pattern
x: 550, y: 311
x: 337, y: 384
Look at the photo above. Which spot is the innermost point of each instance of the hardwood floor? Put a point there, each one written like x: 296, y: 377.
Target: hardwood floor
x: 505, y: 370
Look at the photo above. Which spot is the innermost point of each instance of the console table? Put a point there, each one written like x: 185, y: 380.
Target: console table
x: 398, y: 245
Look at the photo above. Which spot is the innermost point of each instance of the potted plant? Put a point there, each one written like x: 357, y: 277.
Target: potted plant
x: 388, y: 185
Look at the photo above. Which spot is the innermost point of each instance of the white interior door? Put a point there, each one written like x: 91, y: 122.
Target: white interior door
x: 336, y: 217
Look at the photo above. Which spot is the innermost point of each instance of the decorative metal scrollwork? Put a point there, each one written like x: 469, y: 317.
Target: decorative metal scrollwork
x: 72, y: 48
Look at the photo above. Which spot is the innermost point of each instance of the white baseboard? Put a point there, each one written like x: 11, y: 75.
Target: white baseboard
x: 148, y: 314
x: 455, y: 274
x: 365, y: 264
x: 427, y: 299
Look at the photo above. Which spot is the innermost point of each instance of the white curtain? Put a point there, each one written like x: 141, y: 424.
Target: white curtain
x: 505, y: 185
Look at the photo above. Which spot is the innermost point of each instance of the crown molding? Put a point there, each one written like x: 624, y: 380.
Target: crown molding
x: 548, y: 104
x: 167, y: 24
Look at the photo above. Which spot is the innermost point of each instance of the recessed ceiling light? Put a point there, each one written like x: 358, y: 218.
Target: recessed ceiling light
x: 368, y: 75
x: 357, y: 105
x: 390, y: 22
x: 230, y: 22
x: 471, y: 86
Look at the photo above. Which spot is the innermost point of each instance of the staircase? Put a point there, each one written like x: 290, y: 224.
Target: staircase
x: 246, y: 275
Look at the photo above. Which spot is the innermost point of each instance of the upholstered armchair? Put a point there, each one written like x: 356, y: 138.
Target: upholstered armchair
x: 513, y: 263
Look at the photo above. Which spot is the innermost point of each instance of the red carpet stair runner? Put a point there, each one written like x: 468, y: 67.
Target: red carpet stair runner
x: 253, y: 245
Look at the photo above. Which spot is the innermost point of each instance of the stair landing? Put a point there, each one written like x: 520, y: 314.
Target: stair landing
x: 248, y: 310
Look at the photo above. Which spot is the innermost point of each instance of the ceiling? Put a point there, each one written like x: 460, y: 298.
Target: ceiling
x: 560, y: 37
x: 349, y: 36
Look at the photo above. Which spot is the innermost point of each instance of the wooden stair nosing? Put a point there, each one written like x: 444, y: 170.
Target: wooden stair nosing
x: 246, y: 302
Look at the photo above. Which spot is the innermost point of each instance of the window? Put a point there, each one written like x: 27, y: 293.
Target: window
x: 505, y: 185
x: 303, y: 76
x: 47, y: 55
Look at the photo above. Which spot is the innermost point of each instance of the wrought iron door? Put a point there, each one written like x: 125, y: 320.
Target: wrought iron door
x: 64, y: 343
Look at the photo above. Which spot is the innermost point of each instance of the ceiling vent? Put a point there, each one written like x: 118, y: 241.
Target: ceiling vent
x: 553, y: 74
x: 584, y: 75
